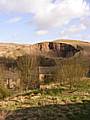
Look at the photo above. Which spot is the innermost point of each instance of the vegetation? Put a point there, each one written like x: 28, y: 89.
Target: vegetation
x: 66, y: 98
x: 55, y: 103
x: 28, y: 67
x: 4, y: 92
x: 70, y: 72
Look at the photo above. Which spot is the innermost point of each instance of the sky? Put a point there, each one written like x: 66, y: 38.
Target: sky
x: 32, y: 21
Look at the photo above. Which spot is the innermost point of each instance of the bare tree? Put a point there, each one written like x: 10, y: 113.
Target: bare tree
x: 70, y: 71
x: 28, y: 67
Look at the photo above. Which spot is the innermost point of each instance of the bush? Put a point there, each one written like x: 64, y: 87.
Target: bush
x: 4, y: 92
x: 70, y: 72
x: 28, y: 67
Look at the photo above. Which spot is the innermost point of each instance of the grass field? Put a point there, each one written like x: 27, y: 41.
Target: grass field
x: 56, y: 103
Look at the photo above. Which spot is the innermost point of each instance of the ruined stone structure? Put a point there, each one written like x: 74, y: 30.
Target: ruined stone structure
x: 46, y: 73
x: 12, y: 80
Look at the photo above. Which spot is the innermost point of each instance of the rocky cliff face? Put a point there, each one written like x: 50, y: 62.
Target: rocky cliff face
x: 58, y: 49
x: 50, y: 49
x: 53, y: 49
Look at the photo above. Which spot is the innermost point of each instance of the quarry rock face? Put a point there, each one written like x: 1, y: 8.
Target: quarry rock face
x: 50, y: 49
x: 56, y: 48
x: 9, y: 53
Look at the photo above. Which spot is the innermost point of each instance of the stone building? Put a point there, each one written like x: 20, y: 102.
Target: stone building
x: 46, y: 74
x: 12, y: 80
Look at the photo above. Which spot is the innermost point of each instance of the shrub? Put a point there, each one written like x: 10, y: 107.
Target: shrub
x: 70, y: 72
x: 4, y: 92
x: 28, y: 67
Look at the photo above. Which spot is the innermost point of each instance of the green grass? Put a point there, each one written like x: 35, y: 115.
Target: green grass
x: 54, y: 91
x: 56, y: 103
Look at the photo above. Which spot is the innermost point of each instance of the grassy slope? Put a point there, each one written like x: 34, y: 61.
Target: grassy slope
x: 50, y: 104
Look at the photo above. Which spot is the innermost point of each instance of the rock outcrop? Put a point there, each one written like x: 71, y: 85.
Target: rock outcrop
x: 57, y: 49
x: 51, y: 49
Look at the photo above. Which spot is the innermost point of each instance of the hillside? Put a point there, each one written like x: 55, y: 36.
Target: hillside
x: 82, y: 44
x: 45, y: 81
x: 17, y: 59
x: 54, y: 48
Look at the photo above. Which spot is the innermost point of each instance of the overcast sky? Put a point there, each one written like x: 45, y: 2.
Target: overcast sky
x: 31, y: 21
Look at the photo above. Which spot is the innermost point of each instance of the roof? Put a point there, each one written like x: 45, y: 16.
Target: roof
x: 46, y: 70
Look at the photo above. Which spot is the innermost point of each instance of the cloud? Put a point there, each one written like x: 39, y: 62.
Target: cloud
x: 14, y: 20
x: 85, y: 21
x: 57, y: 15
x: 41, y: 32
x: 85, y: 36
x: 73, y: 30
x: 48, y: 13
